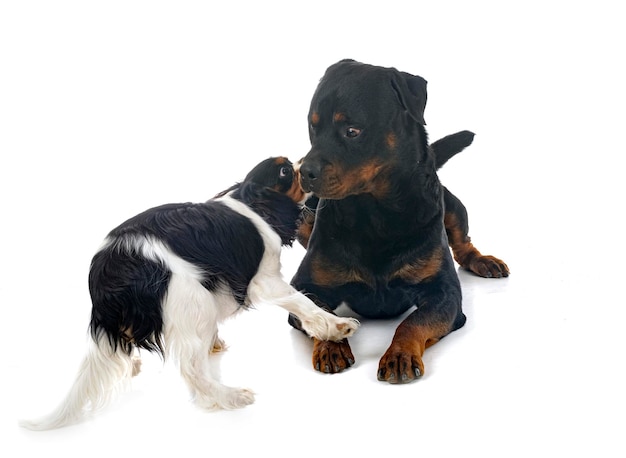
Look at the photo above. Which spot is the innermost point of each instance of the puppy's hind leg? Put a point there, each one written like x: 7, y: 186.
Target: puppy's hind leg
x: 191, y: 316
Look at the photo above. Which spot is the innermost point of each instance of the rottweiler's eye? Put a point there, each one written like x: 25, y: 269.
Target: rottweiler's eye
x: 284, y: 171
x: 353, y: 132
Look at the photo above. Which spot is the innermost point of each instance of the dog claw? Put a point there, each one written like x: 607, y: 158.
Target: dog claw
x: 332, y: 357
x: 489, y: 267
x: 399, y: 370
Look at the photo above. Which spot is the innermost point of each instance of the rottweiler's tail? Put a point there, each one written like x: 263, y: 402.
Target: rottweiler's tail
x: 450, y: 145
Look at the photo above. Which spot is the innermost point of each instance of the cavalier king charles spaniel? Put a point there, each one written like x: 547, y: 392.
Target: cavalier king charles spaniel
x: 163, y: 280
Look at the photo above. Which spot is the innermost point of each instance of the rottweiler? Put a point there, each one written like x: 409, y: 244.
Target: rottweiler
x: 377, y: 238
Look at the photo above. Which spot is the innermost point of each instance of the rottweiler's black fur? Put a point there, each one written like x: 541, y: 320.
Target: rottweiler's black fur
x: 378, y: 237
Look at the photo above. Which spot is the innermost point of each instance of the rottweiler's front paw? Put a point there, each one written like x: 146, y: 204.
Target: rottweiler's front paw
x: 400, y: 366
x: 332, y: 357
x: 489, y: 267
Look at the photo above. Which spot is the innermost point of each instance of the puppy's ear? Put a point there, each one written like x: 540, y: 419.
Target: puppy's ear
x: 411, y: 91
x: 278, y: 210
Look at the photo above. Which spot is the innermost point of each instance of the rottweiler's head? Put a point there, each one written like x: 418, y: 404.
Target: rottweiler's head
x: 365, y: 122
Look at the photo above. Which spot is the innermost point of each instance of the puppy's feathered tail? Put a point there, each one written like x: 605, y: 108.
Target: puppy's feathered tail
x: 448, y: 146
x: 103, y: 373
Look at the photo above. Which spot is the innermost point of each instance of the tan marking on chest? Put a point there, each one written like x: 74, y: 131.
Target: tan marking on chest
x: 324, y: 273
x: 420, y: 269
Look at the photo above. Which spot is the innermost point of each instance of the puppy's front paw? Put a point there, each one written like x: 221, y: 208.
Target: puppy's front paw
x: 344, y: 327
x: 326, y: 326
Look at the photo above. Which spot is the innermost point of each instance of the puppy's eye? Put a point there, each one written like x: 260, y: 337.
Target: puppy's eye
x: 284, y: 171
x: 353, y: 132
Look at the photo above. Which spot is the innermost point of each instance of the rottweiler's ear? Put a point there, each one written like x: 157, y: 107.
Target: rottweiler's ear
x: 411, y: 90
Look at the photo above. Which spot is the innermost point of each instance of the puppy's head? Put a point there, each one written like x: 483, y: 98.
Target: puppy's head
x: 365, y: 122
x: 280, y: 175
x: 272, y: 190
x: 275, y: 174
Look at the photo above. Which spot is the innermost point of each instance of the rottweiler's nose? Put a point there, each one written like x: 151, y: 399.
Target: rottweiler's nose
x: 310, y: 170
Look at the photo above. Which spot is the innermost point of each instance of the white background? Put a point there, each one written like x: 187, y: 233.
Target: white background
x: 108, y: 108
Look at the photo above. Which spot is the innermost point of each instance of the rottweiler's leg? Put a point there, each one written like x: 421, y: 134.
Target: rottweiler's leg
x: 331, y: 357
x: 438, y: 314
x: 307, y: 218
x: 328, y: 356
x: 464, y: 251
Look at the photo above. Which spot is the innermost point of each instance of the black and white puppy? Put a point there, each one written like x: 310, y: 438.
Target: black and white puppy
x: 164, y: 279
